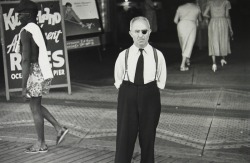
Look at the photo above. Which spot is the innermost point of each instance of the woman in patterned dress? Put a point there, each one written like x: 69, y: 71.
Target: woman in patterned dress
x: 219, y: 30
x: 36, y: 72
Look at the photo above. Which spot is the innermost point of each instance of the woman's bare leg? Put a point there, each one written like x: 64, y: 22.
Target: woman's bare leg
x: 214, y: 59
x: 35, y: 106
x: 183, y: 62
x: 50, y: 118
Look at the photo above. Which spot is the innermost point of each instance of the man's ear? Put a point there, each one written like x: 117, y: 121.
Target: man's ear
x: 149, y: 31
x: 130, y: 33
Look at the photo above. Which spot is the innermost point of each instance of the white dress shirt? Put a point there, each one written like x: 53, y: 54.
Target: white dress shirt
x: 149, y: 66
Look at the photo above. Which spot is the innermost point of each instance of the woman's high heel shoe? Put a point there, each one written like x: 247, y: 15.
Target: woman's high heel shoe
x: 223, y: 62
x: 214, y: 67
x: 184, y: 68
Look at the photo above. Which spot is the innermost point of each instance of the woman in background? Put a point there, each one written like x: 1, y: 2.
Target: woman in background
x: 186, y: 18
x: 150, y: 13
x: 218, y: 30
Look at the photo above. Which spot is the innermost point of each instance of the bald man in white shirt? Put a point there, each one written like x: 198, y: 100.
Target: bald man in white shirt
x: 140, y: 71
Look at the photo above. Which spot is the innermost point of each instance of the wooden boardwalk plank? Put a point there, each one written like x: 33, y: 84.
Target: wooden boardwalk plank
x: 12, y: 153
x: 94, y: 154
x: 13, y: 149
x: 4, y: 144
x: 62, y: 157
x: 166, y: 160
x: 101, y: 158
x: 53, y: 151
x: 81, y: 157
x: 65, y: 156
x: 181, y: 160
x: 56, y: 158
x: 76, y: 157
x: 24, y: 157
x: 97, y: 156
x: 108, y: 159
x: 8, y: 147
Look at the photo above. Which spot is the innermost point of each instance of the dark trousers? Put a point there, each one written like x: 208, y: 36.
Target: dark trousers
x: 138, y: 111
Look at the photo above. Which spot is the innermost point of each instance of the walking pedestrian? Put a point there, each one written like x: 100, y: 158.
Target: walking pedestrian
x: 187, y: 17
x: 150, y: 13
x: 219, y: 30
x: 140, y: 71
x: 36, y: 73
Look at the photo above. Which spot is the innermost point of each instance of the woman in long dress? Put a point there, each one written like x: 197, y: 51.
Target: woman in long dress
x: 186, y: 18
x: 218, y: 30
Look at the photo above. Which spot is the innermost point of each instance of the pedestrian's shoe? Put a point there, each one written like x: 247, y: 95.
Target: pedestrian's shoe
x: 223, y: 62
x: 61, y: 135
x: 184, y: 68
x: 32, y: 150
x: 214, y: 67
x: 44, y: 149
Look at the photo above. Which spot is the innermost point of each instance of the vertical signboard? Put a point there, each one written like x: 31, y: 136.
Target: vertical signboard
x: 50, y: 20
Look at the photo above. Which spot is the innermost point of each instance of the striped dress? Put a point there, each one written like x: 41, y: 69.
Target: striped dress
x: 218, y: 29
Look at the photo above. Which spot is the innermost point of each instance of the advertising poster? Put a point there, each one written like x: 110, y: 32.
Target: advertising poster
x: 81, y: 17
x: 50, y: 20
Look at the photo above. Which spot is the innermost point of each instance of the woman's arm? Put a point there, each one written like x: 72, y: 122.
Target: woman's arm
x: 177, y: 17
x: 207, y: 10
x: 26, y: 39
x: 228, y: 7
x: 230, y: 25
x: 206, y: 13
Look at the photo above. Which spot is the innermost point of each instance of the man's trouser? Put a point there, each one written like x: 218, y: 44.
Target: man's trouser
x: 138, y: 111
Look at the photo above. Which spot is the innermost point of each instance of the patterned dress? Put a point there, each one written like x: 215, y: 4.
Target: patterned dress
x: 36, y: 85
x: 218, y: 29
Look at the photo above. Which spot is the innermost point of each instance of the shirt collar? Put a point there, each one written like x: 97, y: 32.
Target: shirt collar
x: 146, y: 49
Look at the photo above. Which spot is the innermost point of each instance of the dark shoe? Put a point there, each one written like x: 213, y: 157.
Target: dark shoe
x: 44, y: 150
x: 31, y: 149
x: 60, y: 137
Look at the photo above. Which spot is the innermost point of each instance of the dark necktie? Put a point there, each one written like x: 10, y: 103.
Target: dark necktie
x: 139, y: 70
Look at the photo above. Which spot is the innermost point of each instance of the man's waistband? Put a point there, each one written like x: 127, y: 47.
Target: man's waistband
x: 150, y: 84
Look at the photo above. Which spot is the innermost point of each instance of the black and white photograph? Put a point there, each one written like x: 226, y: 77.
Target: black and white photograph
x: 124, y: 81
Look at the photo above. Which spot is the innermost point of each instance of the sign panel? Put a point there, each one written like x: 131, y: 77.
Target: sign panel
x: 83, y: 43
x: 50, y: 20
x: 81, y: 17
